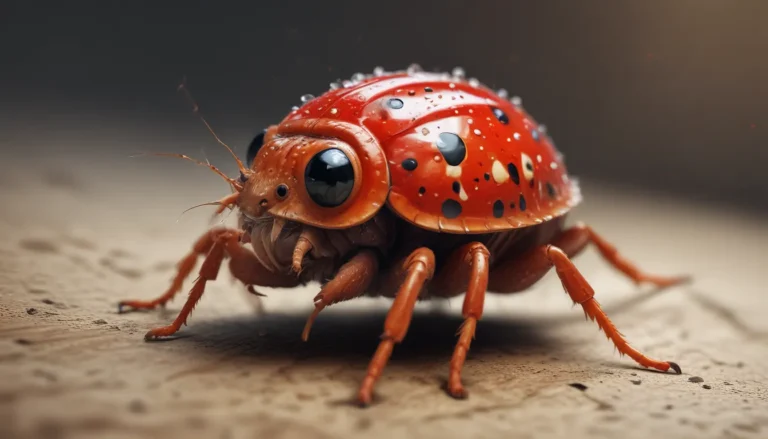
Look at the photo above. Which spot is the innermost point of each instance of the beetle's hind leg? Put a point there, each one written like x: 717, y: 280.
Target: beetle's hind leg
x: 520, y: 273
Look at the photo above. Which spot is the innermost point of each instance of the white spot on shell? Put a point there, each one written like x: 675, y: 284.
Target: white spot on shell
x: 463, y: 194
x: 553, y: 165
x: 477, y: 131
x: 453, y: 171
x: 500, y: 175
x: 437, y: 158
x: 451, y: 85
x: 516, y: 136
x: 334, y: 111
x: 527, y: 164
x: 509, y: 139
x: 538, y: 158
x: 469, y: 121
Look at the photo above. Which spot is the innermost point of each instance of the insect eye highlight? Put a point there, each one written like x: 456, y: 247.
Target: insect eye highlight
x: 329, y: 178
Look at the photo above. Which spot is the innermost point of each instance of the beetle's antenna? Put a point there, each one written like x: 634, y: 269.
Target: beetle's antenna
x: 196, y: 109
x: 224, y: 203
x: 236, y: 184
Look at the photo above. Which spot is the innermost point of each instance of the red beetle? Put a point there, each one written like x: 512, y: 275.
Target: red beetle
x: 407, y: 185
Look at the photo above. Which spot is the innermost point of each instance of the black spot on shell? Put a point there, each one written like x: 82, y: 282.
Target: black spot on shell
x: 512, y: 205
x: 422, y: 190
x: 551, y: 190
x: 498, y: 209
x: 513, y: 172
x: 500, y: 115
x: 452, y: 148
x: 522, y: 203
x: 395, y: 103
x: 476, y: 180
x: 530, y: 183
x: 487, y: 176
x: 410, y: 164
x: 427, y: 89
x: 451, y: 209
x: 456, y: 186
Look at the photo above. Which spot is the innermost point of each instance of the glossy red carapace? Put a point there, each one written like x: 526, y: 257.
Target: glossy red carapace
x: 446, y: 153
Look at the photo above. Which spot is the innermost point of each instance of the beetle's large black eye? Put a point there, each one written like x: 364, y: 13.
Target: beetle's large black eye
x: 254, y: 148
x: 329, y: 178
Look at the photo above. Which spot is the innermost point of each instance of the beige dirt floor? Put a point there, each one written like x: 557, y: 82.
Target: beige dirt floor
x: 76, y: 237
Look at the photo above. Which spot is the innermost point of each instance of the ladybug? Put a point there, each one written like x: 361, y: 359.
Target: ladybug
x: 409, y: 185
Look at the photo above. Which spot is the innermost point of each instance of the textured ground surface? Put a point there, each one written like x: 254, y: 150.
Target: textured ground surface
x: 76, y: 239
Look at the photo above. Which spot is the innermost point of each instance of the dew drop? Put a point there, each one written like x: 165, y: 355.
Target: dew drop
x: 336, y: 85
x: 306, y: 98
x: 413, y: 69
x: 357, y: 77
x: 378, y: 71
x: 474, y: 82
x: 502, y: 93
x: 458, y: 72
x: 517, y: 101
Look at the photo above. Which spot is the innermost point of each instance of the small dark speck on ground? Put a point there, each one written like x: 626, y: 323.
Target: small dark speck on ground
x: 707, y: 386
x: 31, y: 311
x: 39, y: 245
x: 636, y: 382
x: 48, y: 301
x: 137, y: 406
x: 579, y: 386
x: 100, y: 322
x: 23, y: 341
x: 696, y: 379
x: 668, y: 407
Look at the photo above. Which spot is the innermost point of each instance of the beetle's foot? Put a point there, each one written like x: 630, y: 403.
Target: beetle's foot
x: 125, y: 306
x: 456, y: 390
x: 364, y: 397
x: 163, y: 331
x: 675, y: 367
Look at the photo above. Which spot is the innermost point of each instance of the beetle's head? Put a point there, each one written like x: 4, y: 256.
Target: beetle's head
x: 297, y: 177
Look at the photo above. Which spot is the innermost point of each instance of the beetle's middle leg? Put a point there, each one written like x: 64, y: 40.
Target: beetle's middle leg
x: 411, y: 274
x: 466, y: 267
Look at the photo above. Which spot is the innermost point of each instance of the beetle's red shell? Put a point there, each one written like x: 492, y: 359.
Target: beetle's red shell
x: 510, y: 176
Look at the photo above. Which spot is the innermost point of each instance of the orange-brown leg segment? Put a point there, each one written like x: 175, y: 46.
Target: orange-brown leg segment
x: 184, y: 268
x: 468, y: 265
x: 417, y: 269
x: 208, y: 271
x: 582, y: 293
x: 352, y: 280
x: 520, y: 273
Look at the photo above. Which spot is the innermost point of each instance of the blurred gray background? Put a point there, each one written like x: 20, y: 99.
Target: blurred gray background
x: 664, y: 95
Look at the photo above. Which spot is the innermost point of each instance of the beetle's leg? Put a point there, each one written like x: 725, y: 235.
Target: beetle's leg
x: 244, y: 266
x: 184, y: 268
x: 522, y: 272
x: 582, y: 293
x: 468, y: 265
x: 352, y: 280
x: 415, y: 271
x: 519, y: 273
x: 582, y: 232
